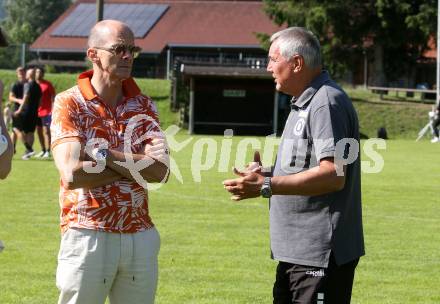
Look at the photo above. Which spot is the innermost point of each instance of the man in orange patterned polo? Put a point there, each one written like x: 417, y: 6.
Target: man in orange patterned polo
x: 107, y: 145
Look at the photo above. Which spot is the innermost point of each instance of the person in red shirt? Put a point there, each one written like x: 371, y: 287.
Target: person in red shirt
x: 44, y: 113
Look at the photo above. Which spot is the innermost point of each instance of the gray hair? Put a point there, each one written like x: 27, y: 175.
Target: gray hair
x: 298, y: 40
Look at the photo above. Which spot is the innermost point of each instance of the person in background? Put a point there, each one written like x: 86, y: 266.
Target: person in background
x: 15, y: 99
x: 6, y: 147
x: 28, y: 111
x: 44, y: 113
x: 435, y: 123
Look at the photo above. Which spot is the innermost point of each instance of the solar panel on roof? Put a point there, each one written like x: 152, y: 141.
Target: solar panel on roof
x: 139, y: 17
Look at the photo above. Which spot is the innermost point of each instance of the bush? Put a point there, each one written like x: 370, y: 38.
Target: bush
x: 49, y: 69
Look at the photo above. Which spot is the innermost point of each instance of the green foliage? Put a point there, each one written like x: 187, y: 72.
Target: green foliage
x: 264, y: 39
x: 48, y: 68
x: 27, y: 19
x: 10, y: 57
x: 401, y: 27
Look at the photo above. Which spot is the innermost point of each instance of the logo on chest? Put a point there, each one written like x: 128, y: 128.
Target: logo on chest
x: 301, y: 123
x: 299, y: 127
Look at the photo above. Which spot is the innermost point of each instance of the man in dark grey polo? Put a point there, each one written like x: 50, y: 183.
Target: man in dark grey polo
x: 314, y: 188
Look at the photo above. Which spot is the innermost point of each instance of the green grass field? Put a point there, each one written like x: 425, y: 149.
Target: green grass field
x: 216, y: 251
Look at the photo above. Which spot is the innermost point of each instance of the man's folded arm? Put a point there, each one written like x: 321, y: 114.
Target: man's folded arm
x: 12, y: 98
x: 154, y: 156
x: 70, y: 159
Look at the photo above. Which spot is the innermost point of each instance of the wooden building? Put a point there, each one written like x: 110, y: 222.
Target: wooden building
x: 213, y: 98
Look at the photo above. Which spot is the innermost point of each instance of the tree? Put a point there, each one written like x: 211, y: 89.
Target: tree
x: 25, y: 21
x: 393, y: 32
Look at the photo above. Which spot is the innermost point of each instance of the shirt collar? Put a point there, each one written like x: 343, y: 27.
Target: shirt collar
x: 309, y: 92
x: 129, y: 86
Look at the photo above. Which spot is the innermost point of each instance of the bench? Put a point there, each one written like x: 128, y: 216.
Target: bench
x: 425, y: 95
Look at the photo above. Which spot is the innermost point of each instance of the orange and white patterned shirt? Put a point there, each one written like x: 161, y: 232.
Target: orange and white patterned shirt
x: 80, y: 115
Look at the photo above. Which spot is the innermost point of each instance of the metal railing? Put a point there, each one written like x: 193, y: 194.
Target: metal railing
x: 384, y: 91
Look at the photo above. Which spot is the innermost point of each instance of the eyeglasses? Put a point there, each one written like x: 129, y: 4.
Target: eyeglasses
x: 272, y: 59
x: 275, y: 60
x: 121, y: 49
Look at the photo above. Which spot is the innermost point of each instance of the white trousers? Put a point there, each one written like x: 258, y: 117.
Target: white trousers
x: 93, y: 265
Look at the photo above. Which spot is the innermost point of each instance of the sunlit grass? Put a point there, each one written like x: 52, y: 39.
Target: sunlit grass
x: 216, y: 251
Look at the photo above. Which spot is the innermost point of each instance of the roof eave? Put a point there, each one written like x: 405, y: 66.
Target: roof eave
x: 53, y: 50
x: 56, y: 50
x: 223, y: 46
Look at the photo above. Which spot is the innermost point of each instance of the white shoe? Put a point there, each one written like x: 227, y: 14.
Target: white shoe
x: 27, y: 155
x: 41, y: 154
x: 435, y: 139
x: 46, y: 154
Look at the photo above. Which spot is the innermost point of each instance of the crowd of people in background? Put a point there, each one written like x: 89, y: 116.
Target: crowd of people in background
x: 30, y: 106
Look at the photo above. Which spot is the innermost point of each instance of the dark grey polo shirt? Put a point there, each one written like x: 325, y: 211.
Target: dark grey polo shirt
x: 305, y: 229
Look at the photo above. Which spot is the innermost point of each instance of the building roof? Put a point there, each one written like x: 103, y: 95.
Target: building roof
x: 58, y: 63
x: 139, y: 17
x: 191, y: 23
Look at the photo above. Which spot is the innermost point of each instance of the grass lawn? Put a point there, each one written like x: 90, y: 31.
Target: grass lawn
x: 402, y: 117
x: 216, y: 251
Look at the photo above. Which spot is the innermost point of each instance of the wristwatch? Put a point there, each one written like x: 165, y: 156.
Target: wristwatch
x: 100, y: 155
x: 266, y: 189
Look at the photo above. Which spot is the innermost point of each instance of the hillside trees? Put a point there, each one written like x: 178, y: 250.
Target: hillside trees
x: 394, y: 33
x: 25, y: 20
